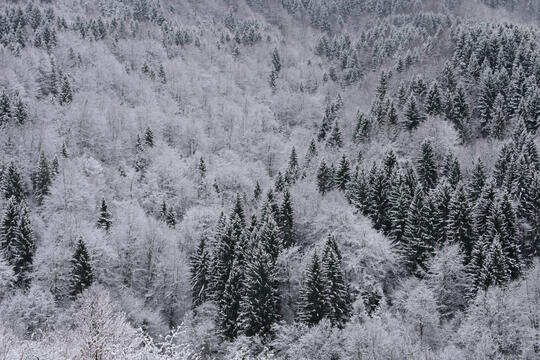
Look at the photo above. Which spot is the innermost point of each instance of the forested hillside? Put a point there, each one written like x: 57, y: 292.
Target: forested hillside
x: 269, y: 179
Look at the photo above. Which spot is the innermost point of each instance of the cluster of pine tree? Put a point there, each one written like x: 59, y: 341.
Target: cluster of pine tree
x: 22, y: 26
x: 237, y: 269
x: 16, y: 240
x: 494, y: 219
x: 17, y: 244
x: 350, y: 58
x: 12, y: 109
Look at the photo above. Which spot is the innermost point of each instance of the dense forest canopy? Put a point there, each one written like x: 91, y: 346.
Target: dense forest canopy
x: 269, y: 179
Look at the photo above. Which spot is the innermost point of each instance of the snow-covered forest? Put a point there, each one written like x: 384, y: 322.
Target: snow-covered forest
x: 269, y: 179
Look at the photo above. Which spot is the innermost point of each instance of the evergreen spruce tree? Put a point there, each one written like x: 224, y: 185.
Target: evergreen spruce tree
x: 393, y: 118
x: 105, y: 218
x: 66, y: 95
x: 230, y: 301
x: 200, y: 274
x: 509, y: 237
x: 460, y: 228
x: 433, y: 100
x: 362, y: 128
x: 427, y: 167
x: 477, y: 266
x: 24, y: 248
x: 357, y: 190
x: 259, y: 308
x: 477, y: 181
x: 312, y: 305
x: 495, y: 271
x: 286, y: 224
x: 378, y: 202
x: 223, y: 255
x: 272, y: 80
x: 81, y: 269
x: 451, y: 169
x: 149, y: 137
x: 257, y: 191
x: 486, y: 98
x: 5, y: 109
x: 400, y: 202
x: 64, y: 151
x: 325, y: 178
x: 42, y: 179
x: 20, y: 114
x: 311, y: 153
x: 412, y: 116
x: 441, y: 199
x: 498, y: 125
x: 343, y: 174
x: 161, y: 74
x: 292, y: 173
x: 416, y: 242
x: 336, y: 290
x: 9, y: 231
x: 202, y: 168
x: 389, y: 163
x: 268, y: 234
x: 238, y: 210
x: 276, y: 61
x: 12, y: 184
x: 55, y: 167
x: 334, y: 141
x: 483, y: 208
x: 170, y: 217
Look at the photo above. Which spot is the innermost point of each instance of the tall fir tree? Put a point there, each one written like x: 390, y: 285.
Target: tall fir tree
x: 66, y: 94
x: 286, y: 224
x: 149, y: 137
x: 42, y: 179
x: 477, y: 181
x: 9, y: 230
x: 433, y: 100
x: 12, y: 185
x: 276, y: 61
x: 312, y: 305
x: 325, y: 178
x: 441, y: 199
x: 378, y: 204
x: 24, y: 248
x: 499, y: 121
x: 336, y: 289
x: 335, y: 139
x: 105, y: 218
x: 200, y: 274
x: 483, y: 208
x: 229, y: 305
x: 5, y: 109
x: 20, y: 113
x: 357, y: 190
x: 400, y: 202
x: 451, y: 169
x: 343, y: 174
x: 460, y: 228
x: 416, y: 244
x: 427, y: 166
x: 259, y: 308
x: 82, y: 275
x: 293, y: 171
x: 412, y: 115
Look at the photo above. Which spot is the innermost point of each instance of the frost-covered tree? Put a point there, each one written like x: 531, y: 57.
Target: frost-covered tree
x: 82, y: 275
x: 200, y: 274
x: 105, y: 217
x: 312, y: 302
